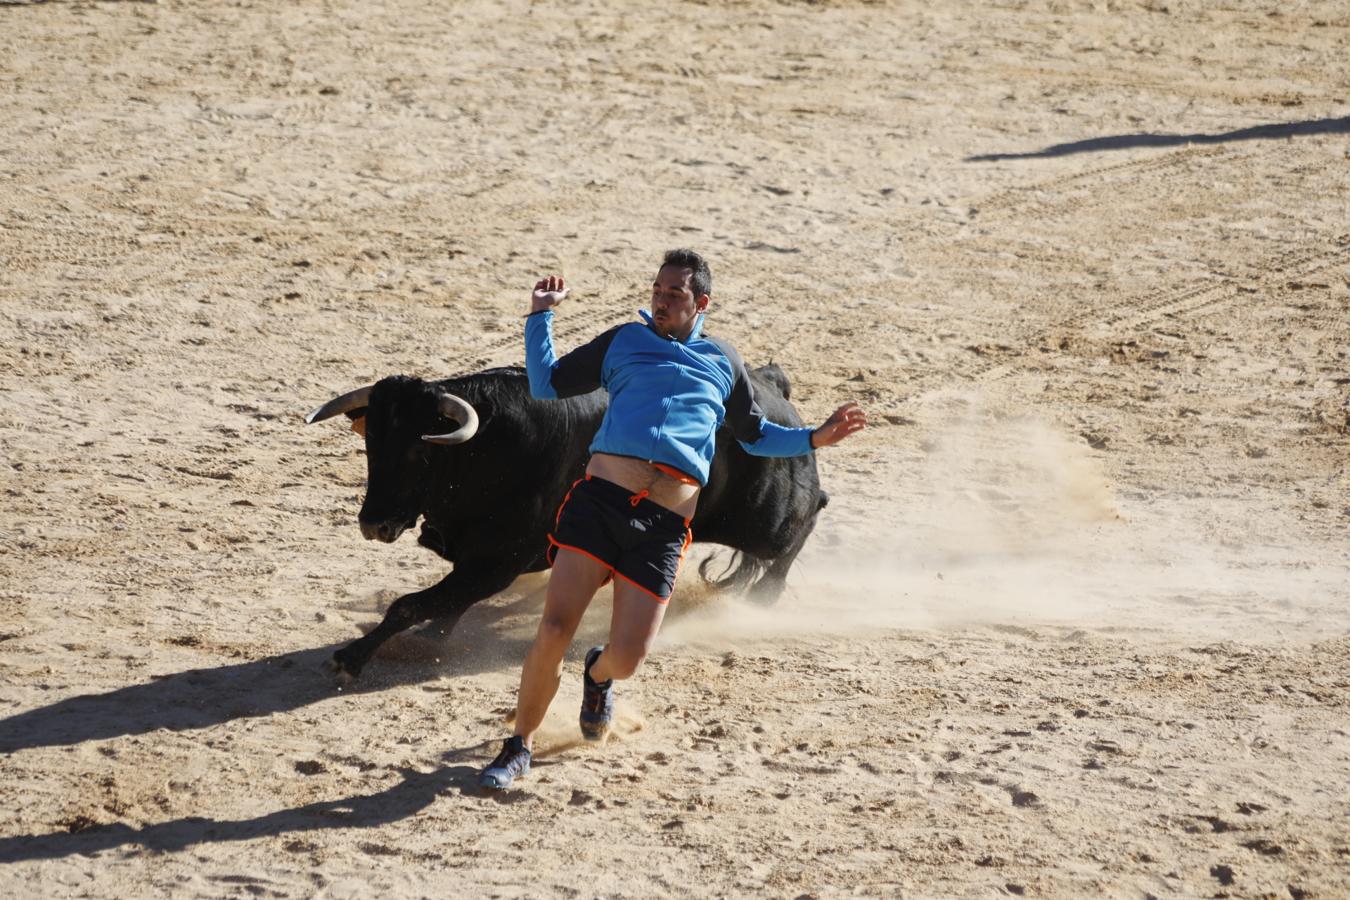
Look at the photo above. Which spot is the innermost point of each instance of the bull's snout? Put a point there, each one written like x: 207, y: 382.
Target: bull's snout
x: 386, y: 532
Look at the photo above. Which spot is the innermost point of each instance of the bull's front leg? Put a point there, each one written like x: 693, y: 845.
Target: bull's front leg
x: 444, y: 602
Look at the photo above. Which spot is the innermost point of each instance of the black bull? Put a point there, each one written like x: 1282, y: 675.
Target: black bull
x: 488, y: 500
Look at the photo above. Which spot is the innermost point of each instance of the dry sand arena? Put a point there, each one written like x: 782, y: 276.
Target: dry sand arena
x: 1076, y: 622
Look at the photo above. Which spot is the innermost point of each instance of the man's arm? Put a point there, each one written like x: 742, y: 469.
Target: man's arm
x: 847, y: 419
x: 575, y: 373
x: 760, y: 437
x: 751, y: 428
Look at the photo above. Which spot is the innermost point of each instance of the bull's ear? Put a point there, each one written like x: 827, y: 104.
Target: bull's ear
x: 486, y: 412
x: 358, y: 422
x: 358, y: 413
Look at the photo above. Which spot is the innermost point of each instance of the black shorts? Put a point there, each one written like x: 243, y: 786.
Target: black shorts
x: 637, y: 540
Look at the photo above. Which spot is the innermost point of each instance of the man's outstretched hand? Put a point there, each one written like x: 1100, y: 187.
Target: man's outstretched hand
x: 844, y: 421
x: 548, y: 293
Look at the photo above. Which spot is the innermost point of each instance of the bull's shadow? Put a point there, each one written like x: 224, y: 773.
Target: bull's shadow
x: 1272, y: 131
x: 201, y: 698
x: 414, y: 793
x: 196, y: 698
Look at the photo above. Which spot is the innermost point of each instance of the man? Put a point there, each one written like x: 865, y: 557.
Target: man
x: 628, y: 519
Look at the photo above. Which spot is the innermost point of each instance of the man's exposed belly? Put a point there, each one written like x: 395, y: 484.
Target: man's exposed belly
x: 638, y: 475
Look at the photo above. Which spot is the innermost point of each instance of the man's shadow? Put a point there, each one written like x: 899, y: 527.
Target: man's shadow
x: 415, y: 792
x: 1271, y: 131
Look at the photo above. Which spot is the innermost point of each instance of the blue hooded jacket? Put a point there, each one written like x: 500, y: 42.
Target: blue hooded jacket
x: 667, y: 397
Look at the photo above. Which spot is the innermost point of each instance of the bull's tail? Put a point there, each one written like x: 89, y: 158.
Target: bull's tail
x: 741, y: 571
x: 762, y: 580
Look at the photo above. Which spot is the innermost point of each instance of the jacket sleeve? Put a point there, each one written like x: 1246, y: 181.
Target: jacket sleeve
x: 757, y: 434
x: 575, y: 373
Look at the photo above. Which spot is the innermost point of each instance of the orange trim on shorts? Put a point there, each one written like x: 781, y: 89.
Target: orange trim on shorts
x: 688, y: 539
x: 655, y: 596
x: 675, y: 473
x: 589, y: 555
x: 558, y: 517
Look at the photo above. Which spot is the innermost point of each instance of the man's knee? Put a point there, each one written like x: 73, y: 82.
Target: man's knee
x: 556, y: 630
x: 624, y: 661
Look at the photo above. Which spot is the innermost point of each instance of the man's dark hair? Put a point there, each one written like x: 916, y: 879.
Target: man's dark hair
x: 701, y: 281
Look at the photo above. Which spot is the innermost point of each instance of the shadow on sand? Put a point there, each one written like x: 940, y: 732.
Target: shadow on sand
x: 1127, y: 141
x: 201, y: 698
x: 415, y: 792
x: 196, y: 698
x: 208, y: 696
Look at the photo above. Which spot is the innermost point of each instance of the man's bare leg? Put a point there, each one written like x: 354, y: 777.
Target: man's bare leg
x: 632, y: 631
x: 571, y: 586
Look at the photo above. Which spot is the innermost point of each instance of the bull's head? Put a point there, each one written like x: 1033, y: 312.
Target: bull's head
x: 397, y: 413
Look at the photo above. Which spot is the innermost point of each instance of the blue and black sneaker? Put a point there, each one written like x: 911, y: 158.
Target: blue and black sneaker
x: 512, y: 761
x: 597, y: 700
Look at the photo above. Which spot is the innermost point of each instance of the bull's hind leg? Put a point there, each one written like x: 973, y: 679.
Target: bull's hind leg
x: 444, y: 602
x: 770, y: 587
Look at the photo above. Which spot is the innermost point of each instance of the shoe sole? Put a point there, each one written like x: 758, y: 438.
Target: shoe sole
x: 595, y: 735
x: 498, y: 782
x: 494, y: 783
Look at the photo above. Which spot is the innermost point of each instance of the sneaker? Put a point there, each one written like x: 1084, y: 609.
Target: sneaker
x: 597, y: 700
x: 512, y: 761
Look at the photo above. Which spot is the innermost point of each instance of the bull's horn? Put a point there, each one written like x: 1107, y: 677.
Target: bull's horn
x: 453, y: 407
x: 338, y: 405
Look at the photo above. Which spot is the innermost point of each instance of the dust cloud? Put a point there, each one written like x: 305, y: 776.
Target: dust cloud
x: 1011, y: 521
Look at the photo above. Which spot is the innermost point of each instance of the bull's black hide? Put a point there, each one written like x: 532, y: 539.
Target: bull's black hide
x: 488, y: 504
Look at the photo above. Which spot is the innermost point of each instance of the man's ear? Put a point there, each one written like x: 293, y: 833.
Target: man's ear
x: 701, y: 304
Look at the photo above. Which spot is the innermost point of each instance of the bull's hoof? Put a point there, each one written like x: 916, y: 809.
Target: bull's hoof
x: 762, y: 595
x: 341, y: 674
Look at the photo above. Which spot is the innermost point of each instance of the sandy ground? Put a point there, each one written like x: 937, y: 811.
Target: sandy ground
x: 1076, y: 621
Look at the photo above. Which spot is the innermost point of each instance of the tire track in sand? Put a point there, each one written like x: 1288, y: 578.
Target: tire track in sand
x: 1049, y: 195
x: 508, y: 349
x: 1128, y: 314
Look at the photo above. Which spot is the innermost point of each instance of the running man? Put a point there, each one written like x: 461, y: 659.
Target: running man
x: 628, y: 519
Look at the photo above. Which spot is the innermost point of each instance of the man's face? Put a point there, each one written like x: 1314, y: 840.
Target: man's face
x: 674, y: 306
